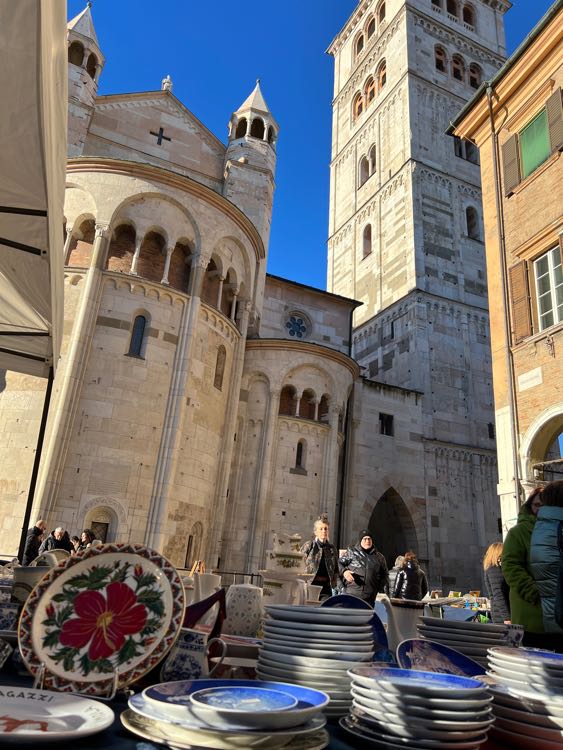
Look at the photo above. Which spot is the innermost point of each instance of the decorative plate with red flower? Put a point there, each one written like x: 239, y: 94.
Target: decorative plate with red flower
x: 116, y: 607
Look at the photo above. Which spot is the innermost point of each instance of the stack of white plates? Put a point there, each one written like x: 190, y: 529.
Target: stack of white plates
x: 316, y: 647
x: 402, y: 708
x: 470, y: 638
x: 229, y: 715
x: 528, y: 697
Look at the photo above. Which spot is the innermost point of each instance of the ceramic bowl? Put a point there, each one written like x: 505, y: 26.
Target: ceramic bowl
x: 251, y: 707
x: 174, y: 699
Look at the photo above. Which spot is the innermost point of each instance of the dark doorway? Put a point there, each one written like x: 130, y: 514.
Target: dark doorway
x: 392, y: 526
x: 100, y: 530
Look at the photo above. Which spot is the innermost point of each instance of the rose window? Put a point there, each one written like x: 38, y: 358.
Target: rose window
x: 296, y: 326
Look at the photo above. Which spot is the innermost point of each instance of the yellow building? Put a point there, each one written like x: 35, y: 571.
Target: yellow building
x: 516, y: 121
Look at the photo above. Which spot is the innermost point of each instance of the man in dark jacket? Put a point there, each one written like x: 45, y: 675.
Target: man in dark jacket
x: 57, y: 539
x: 321, y: 558
x: 364, y: 570
x: 33, y: 542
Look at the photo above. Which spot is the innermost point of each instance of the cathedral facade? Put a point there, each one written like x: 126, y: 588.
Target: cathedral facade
x: 201, y: 404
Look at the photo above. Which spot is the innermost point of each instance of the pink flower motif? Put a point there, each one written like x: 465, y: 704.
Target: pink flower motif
x: 104, y: 624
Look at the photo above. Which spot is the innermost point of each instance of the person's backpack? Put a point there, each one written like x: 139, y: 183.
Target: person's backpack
x: 559, y: 592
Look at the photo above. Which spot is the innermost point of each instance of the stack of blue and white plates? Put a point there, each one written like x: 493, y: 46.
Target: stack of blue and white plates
x: 229, y: 715
x: 315, y: 647
x: 404, y: 708
x: 528, y: 697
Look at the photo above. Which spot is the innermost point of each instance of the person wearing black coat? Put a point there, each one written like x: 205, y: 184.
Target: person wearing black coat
x: 57, y: 539
x: 363, y: 570
x: 33, y: 542
x: 411, y: 580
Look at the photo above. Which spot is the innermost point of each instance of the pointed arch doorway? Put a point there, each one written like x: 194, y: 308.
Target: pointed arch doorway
x: 392, y: 526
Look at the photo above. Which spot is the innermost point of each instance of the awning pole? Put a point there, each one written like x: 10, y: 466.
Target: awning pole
x: 36, y: 461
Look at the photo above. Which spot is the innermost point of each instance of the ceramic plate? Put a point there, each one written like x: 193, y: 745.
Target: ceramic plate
x: 533, y: 671
x: 435, y: 657
x: 176, y: 736
x: 308, y: 661
x: 425, y: 683
x: 525, y: 683
x: 43, y: 716
x: 273, y: 641
x: 490, y: 639
x: 275, y: 628
x: 241, y: 699
x: 526, y: 675
x: 116, y: 607
x: 346, y: 601
x: 528, y: 717
x: 447, y: 731
x: 528, y: 656
x: 427, y: 703
x: 320, y: 673
x: 476, y: 627
x: 361, y: 631
x: 300, y: 613
x: 400, y: 712
x: 528, y: 700
x: 379, y: 739
x: 320, y: 653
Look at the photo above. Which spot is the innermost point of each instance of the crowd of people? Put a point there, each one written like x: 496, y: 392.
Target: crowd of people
x: 525, y: 575
x: 362, y: 570
x: 38, y: 541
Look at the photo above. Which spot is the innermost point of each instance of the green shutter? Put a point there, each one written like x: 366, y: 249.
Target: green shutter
x: 534, y: 144
x: 555, y: 120
x: 510, y: 164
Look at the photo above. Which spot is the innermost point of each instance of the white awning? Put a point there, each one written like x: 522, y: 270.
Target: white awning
x: 33, y: 134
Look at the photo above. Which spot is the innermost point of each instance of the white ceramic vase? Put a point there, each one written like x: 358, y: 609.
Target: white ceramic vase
x: 244, y: 609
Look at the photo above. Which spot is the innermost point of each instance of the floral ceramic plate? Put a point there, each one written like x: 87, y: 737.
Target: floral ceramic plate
x: 118, y: 607
x: 42, y: 716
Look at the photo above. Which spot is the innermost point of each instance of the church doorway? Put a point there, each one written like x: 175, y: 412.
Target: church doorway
x: 392, y: 526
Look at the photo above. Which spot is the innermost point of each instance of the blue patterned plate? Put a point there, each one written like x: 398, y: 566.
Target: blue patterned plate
x: 418, y: 653
x: 389, y: 680
x: 239, y: 699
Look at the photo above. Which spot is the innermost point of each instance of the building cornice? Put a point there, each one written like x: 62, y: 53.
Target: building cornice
x: 174, y: 180
x: 305, y: 347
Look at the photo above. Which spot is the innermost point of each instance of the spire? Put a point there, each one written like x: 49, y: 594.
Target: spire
x: 167, y: 84
x: 83, y: 24
x: 255, y: 101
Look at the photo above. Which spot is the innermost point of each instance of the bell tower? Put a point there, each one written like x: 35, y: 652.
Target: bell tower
x: 250, y: 161
x: 85, y: 63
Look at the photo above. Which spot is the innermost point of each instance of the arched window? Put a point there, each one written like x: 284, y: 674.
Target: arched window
x: 364, y: 171
x: 91, y: 65
x: 358, y: 105
x: 451, y: 7
x: 301, y: 454
x: 437, y: 4
x: 288, y: 403
x: 370, y: 90
x: 381, y: 13
x: 381, y: 75
x: 440, y: 59
x: 137, y: 336
x: 307, y: 404
x: 366, y: 247
x: 469, y: 16
x: 271, y: 134
x: 372, y: 160
x: 76, y: 54
x: 323, y: 409
x: 257, y: 128
x: 475, y: 76
x: 458, y: 68
x: 358, y: 47
x: 220, y: 368
x: 472, y: 221
x: 242, y: 126
x: 371, y: 28
x: 82, y: 244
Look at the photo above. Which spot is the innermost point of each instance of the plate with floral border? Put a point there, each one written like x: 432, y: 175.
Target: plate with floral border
x: 116, y: 607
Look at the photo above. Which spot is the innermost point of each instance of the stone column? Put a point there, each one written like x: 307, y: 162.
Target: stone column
x: 135, y: 261
x: 68, y: 383
x: 316, y: 415
x: 227, y: 446
x: 234, y: 304
x: 169, y: 252
x: 220, y: 292
x: 297, y: 400
x: 260, y: 502
x: 68, y: 241
x: 329, y: 481
x: 175, y: 413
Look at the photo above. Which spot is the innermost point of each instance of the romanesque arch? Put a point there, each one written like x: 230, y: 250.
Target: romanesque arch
x: 540, y: 445
x: 392, y: 526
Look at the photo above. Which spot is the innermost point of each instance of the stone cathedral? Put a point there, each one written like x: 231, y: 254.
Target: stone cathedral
x: 201, y: 404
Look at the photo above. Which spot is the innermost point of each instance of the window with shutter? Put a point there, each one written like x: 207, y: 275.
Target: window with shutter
x: 534, y: 144
x: 511, y: 165
x: 554, y: 111
x: 520, y: 302
x: 548, y: 275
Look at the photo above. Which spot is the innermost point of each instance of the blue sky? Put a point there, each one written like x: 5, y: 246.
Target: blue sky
x: 214, y: 53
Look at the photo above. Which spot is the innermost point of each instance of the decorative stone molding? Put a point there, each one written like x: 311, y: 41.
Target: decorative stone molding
x: 305, y: 347
x: 303, y: 426
x: 219, y: 322
x: 147, y: 289
x: 459, y: 41
x: 104, y: 501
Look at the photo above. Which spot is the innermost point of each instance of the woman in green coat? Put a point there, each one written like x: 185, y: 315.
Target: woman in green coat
x: 525, y: 604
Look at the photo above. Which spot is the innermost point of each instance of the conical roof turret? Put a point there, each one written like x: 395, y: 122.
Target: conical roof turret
x: 84, y: 25
x: 254, y: 101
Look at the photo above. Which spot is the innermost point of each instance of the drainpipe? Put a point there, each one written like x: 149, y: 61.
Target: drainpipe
x: 509, y: 362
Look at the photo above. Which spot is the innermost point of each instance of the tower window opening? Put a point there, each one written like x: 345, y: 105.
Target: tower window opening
x: 257, y: 128
x: 469, y: 16
x: 452, y: 8
x: 364, y: 170
x: 381, y: 75
x: 381, y: 13
x: 242, y: 127
x: 371, y: 90
x: 475, y: 76
x: 386, y: 424
x: 458, y: 68
x: 76, y: 54
x: 372, y: 160
x: 220, y: 368
x: 437, y: 4
x: 358, y: 105
x: 359, y: 45
x: 301, y: 455
x: 371, y: 28
x: 440, y: 59
x: 472, y: 221
x: 91, y: 66
x: 137, y: 336
x: 270, y: 134
x: 366, y: 247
